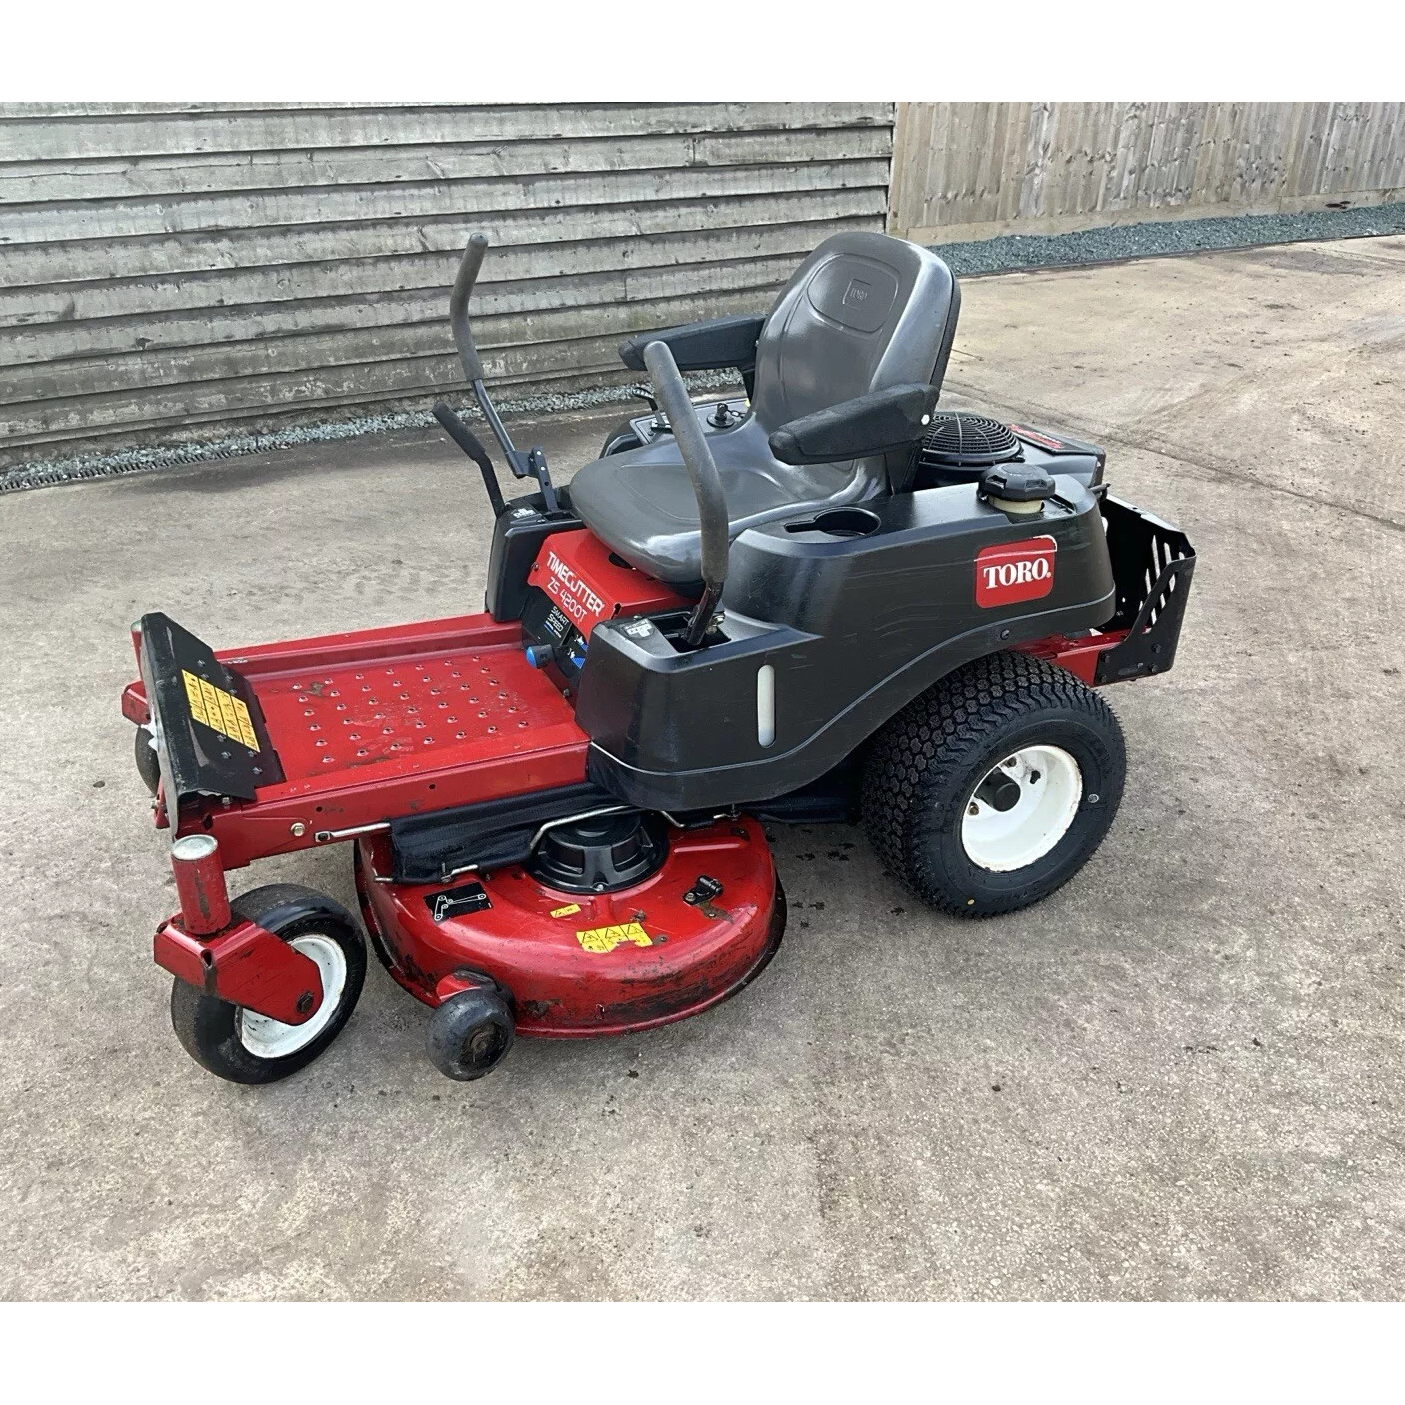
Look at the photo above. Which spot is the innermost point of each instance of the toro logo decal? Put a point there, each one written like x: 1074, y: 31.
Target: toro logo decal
x: 574, y: 596
x: 1015, y: 571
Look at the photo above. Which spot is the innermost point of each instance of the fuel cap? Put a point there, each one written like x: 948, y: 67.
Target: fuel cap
x: 1016, y: 487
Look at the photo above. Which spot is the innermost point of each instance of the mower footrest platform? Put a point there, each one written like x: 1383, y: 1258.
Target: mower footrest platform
x: 367, y: 727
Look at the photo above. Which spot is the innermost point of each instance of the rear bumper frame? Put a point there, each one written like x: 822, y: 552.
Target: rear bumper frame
x: 1152, y: 564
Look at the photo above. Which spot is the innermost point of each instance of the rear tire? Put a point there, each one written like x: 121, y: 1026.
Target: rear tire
x: 994, y: 787
x: 244, y: 1047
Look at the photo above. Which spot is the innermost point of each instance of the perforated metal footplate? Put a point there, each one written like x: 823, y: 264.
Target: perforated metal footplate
x: 409, y: 712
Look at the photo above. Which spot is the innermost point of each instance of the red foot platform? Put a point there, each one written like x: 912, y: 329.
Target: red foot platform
x: 388, y: 722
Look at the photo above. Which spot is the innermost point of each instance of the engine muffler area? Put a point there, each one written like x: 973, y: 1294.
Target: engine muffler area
x: 617, y: 922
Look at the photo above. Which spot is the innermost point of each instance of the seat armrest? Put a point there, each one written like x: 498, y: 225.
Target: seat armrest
x: 870, y: 424
x: 702, y: 346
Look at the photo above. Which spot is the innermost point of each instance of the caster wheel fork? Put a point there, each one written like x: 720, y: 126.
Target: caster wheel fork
x: 242, y: 1046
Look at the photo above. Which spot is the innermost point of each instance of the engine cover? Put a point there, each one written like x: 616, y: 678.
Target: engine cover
x: 962, y: 445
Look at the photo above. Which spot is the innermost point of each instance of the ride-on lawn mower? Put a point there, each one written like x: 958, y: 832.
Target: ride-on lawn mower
x: 820, y: 600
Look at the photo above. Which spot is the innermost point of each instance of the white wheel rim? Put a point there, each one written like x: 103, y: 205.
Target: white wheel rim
x: 1051, y: 789
x: 267, y: 1038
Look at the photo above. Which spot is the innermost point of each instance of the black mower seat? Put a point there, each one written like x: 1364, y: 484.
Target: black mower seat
x: 863, y: 313
x: 640, y: 503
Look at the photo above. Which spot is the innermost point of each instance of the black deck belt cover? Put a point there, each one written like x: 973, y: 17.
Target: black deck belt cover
x: 491, y: 834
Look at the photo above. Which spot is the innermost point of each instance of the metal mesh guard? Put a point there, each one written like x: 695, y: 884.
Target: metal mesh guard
x: 962, y: 440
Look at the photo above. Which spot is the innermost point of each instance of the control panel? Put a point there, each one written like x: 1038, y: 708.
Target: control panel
x: 552, y: 637
x: 713, y: 415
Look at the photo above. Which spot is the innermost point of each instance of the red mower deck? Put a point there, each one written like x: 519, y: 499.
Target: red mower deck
x: 586, y: 963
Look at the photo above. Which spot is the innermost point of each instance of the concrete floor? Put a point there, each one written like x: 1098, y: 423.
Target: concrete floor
x: 1181, y: 1077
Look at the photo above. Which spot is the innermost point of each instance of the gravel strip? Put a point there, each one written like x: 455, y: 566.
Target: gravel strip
x: 1157, y: 238
x: 46, y: 473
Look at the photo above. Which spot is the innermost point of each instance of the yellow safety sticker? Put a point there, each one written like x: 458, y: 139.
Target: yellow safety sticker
x: 221, y: 711
x: 195, y: 697
x: 608, y: 938
x: 211, y: 694
x: 569, y: 910
x: 246, y: 724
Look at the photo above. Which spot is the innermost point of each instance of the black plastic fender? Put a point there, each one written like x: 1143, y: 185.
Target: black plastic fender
x: 853, y: 628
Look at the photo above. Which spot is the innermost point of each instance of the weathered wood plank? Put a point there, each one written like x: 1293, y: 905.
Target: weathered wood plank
x: 49, y: 111
x: 232, y: 289
x: 73, y: 261
x: 125, y: 178
x: 27, y: 224
x: 147, y: 134
x: 157, y: 318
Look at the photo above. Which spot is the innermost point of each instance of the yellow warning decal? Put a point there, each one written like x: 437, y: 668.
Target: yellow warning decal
x: 608, y: 938
x: 246, y: 724
x: 569, y: 910
x: 219, y: 710
x: 195, y: 697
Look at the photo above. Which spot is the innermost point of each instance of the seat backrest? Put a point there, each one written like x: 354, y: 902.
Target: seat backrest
x: 864, y: 312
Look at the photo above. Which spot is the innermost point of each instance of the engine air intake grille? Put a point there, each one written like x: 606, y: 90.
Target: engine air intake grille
x: 961, y: 440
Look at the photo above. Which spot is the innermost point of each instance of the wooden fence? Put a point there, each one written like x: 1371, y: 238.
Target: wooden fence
x: 169, y: 272
x: 971, y: 170
x: 172, y: 272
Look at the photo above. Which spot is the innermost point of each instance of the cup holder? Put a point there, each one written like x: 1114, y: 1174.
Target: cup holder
x: 840, y: 522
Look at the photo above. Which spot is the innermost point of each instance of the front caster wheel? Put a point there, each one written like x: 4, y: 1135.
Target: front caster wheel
x: 148, y: 766
x: 995, y: 787
x: 470, y: 1034
x: 246, y: 1047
